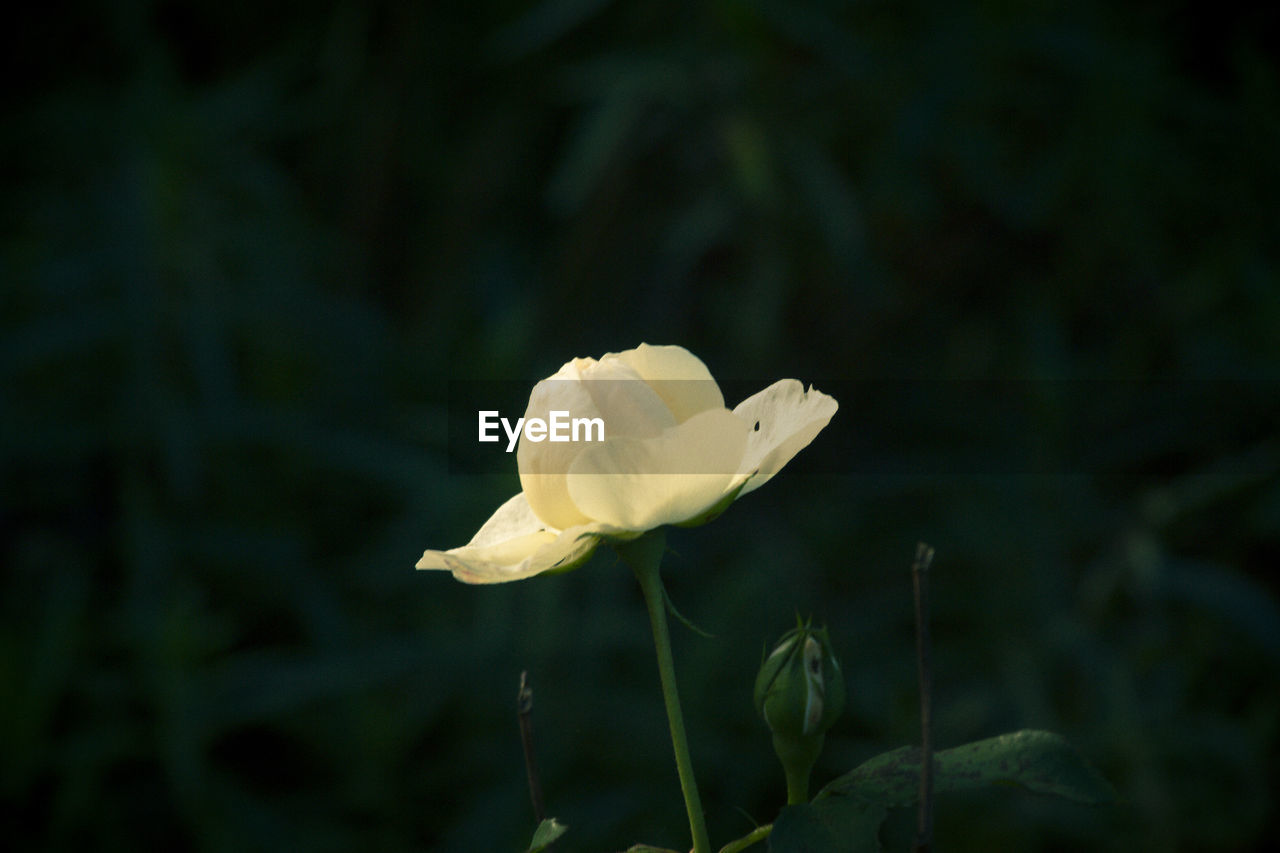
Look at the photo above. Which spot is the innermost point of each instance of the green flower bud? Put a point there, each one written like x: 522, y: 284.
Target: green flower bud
x: 800, y: 693
x: 800, y: 690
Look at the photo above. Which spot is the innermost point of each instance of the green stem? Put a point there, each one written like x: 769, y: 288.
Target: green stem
x: 797, y: 787
x: 798, y: 756
x: 760, y: 833
x: 644, y: 555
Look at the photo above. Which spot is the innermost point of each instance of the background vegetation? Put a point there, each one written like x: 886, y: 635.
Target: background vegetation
x: 247, y: 246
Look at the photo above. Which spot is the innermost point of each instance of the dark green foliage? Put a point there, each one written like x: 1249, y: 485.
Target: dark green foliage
x: 1041, y: 762
x: 245, y: 247
x: 846, y: 815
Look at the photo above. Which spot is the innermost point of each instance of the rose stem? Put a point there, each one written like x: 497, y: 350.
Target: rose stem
x: 644, y: 555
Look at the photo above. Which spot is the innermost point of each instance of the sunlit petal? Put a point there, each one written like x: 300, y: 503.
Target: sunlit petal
x: 512, y: 545
x: 782, y: 420
x: 543, y: 465
x: 627, y: 403
x: 678, y: 376
x: 639, y: 484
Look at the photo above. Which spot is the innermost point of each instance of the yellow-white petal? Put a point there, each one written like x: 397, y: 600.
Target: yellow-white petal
x: 543, y: 464
x: 640, y: 484
x: 627, y: 403
x: 608, y: 389
x: 678, y: 376
x: 512, y: 545
x: 782, y: 420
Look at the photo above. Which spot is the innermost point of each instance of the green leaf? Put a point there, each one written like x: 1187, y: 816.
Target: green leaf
x: 846, y: 815
x: 546, y: 833
x: 828, y: 826
x: 1042, y: 762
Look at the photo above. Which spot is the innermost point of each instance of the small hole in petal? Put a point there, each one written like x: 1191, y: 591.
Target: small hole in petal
x: 756, y: 428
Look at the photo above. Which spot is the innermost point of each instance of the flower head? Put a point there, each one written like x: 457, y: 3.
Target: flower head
x: 671, y: 453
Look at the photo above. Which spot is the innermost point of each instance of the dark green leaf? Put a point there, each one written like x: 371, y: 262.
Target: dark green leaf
x: 828, y: 826
x: 846, y: 815
x: 1042, y: 762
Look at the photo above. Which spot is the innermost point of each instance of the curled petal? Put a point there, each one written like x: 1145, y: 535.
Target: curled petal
x: 629, y: 405
x: 543, y: 465
x: 515, y: 544
x: 678, y: 376
x: 640, y: 484
x: 782, y: 420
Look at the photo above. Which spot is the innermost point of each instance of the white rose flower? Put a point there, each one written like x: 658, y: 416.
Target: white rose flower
x: 672, y: 454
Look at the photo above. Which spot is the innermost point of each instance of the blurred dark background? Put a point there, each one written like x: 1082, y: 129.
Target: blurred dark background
x: 247, y: 247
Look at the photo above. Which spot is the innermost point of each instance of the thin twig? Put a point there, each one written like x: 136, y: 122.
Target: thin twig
x: 524, y: 707
x: 920, y: 585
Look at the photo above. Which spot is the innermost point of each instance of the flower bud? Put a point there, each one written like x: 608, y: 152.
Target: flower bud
x: 800, y: 693
x: 800, y: 690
